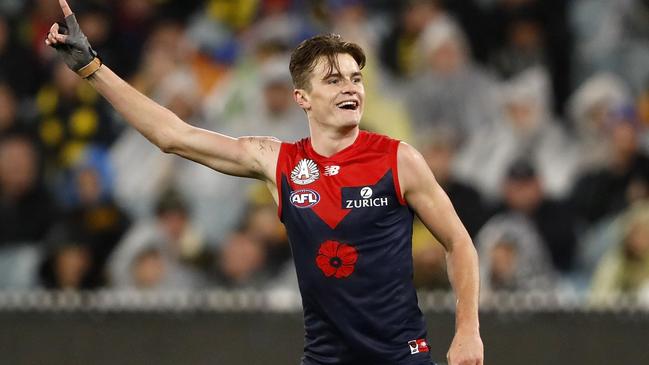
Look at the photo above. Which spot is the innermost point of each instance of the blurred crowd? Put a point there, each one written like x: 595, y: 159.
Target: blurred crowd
x: 533, y: 115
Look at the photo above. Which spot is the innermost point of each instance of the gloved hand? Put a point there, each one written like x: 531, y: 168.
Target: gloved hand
x: 72, y: 45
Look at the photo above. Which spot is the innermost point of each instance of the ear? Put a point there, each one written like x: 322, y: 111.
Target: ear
x: 302, y: 98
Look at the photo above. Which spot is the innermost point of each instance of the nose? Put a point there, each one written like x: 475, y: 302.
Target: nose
x: 350, y: 88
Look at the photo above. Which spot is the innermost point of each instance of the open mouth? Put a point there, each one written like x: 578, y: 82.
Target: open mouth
x: 348, y: 105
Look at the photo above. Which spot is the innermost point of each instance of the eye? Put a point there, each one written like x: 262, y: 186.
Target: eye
x: 333, y: 81
x: 357, y: 80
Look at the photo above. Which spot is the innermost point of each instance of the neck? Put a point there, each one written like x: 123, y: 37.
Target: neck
x: 327, y: 142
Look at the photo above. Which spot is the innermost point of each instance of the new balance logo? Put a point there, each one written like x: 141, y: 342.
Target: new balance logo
x: 331, y: 170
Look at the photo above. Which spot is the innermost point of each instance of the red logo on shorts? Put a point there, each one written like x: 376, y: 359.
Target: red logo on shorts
x: 336, y: 259
x: 417, y: 346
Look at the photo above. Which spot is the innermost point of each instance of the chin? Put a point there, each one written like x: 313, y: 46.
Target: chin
x: 351, y: 123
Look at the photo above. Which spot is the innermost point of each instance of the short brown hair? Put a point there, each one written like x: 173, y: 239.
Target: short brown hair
x: 307, y: 53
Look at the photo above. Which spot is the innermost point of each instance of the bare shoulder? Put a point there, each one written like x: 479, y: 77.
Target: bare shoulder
x: 411, y: 166
x: 407, y: 155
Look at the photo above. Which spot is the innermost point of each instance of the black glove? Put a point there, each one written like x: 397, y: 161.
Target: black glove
x: 76, y: 52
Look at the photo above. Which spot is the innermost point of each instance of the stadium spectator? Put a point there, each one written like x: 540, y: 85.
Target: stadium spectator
x: 399, y: 47
x: 589, y: 108
x: 474, y: 19
x: 262, y: 224
x: 241, y: 263
x: 527, y: 128
x: 269, y: 109
x: 18, y: 65
x: 277, y: 23
x: 523, y: 48
x: 71, y: 115
x: 533, y: 33
x: 600, y: 192
x: 27, y: 210
x: 553, y: 219
x: 148, y: 269
x: 351, y: 19
x: 71, y: 264
x: 173, y: 234
x: 134, y: 20
x: 216, y: 27
x: 68, y: 262
x: 152, y: 269
x: 624, y: 270
x: 167, y: 50
x: 611, y: 36
x: 450, y: 91
x: 93, y: 212
x: 512, y: 256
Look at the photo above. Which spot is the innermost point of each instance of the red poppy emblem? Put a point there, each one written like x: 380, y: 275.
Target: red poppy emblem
x: 336, y: 259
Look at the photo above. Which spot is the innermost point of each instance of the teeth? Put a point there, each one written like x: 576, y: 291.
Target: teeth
x: 347, y: 103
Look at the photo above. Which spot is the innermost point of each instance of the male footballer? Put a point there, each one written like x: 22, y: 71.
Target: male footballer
x: 346, y: 196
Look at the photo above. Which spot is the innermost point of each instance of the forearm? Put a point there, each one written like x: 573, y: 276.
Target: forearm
x: 154, y: 121
x: 463, y: 274
x: 250, y: 156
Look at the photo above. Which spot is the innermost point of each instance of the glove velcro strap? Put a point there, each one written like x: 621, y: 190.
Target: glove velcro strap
x: 89, y: 69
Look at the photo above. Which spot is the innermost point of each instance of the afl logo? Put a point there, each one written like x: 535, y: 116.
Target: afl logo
x: 305, y: 198
x: 305, y: 172
x: 366, y: 192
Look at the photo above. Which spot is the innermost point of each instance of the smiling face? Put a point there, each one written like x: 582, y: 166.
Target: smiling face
x: 334, y: 96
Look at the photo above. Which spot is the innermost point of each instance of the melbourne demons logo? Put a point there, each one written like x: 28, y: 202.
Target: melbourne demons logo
x: 417, y: 346
x: 305, y: 172
x: 305, y: 198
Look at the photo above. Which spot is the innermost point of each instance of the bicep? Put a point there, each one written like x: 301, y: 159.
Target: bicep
x: 254, y: 157
x: 427, y: 198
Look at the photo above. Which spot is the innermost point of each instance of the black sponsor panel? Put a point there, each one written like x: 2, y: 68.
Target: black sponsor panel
x: 369, y: 196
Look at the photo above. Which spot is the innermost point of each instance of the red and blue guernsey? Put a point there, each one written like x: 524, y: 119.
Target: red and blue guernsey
x: 350, y: 232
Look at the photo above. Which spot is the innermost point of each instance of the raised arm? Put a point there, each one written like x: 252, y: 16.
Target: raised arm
x: 433, y: 207
x: 246, y: 156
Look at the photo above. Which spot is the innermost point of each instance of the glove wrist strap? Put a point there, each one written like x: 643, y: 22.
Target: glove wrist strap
x: 89, y: 69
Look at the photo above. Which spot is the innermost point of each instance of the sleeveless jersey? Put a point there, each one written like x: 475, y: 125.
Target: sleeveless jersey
x: 350, y: 232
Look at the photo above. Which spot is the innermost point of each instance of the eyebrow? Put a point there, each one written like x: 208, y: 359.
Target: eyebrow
x: 337, y: 74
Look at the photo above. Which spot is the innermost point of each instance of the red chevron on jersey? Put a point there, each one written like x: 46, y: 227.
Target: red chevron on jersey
x: 361, y: 164
x: 350, y: 233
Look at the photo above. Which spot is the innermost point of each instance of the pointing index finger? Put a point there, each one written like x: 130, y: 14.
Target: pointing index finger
x: 65, y: 7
